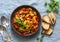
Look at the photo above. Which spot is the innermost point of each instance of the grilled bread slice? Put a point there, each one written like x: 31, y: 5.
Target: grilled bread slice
x: 45, y: 25
x: 52, y: 17
x: 47, y: 32
x: 46, y: 19
x: 50, y: 31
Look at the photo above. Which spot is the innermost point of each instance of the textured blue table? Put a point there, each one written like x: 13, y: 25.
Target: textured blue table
x: 7, y: 7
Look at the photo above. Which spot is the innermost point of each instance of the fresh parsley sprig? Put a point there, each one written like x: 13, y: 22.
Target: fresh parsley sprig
x: 19, y: 21
x: 53, y: 6
x: 41, y: 37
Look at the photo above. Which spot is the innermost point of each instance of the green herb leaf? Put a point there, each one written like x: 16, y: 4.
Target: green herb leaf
x: 38, y: 38
x: 53, y: 6
x: 48, y: 10
x: 51, y: 0
x: 21, y: 23
x: 41, y: 38
x: 46, y: 3
x: 21, y: 28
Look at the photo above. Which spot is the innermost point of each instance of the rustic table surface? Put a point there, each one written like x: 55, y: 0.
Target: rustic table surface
x: 6, y: 9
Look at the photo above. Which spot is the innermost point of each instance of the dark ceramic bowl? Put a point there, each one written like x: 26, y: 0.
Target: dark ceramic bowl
x: 12, y: 16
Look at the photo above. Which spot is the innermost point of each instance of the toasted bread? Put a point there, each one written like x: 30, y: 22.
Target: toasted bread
x: 45, y: 25
x: 52, y: 17
x: 47, y: 32
x: 46, y: 19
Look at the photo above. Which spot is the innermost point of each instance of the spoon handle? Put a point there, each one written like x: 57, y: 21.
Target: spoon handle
x: 8, y: 35
x: 2, y: 38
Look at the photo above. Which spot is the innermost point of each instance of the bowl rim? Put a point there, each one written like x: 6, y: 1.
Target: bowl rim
x: 17, y: 10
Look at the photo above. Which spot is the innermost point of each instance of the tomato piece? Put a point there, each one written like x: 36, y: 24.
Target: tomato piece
x: 25, y: 18
x: 34, y: 28
x: 26, y: 10
x: 16, y: 25
x: 18, y: 15
x: 22, y: 32
x: 30, y: 17
x: 37, y: 18
x: 31, y: 22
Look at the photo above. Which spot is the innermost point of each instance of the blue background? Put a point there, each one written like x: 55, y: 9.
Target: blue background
x: 6, y: 9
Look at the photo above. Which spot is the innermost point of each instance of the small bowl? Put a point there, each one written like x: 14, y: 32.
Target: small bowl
x: 18, y: 8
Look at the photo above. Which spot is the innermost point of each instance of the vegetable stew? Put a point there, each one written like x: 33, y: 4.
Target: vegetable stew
x: 26, y: 20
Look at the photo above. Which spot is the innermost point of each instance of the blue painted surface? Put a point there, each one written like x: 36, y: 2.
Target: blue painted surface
x: 7, y: 7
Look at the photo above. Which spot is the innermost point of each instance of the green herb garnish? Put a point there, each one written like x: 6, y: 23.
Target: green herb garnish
x: 41, y: 38
x: 53, y: 6
x: 45, y: 3
x: 38, y: 38
x: 19, y: 21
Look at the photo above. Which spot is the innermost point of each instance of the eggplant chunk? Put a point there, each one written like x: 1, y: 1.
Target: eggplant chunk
x: 46, y: 19
x: 48, y: 32
x: 45, y: 25
x: 52, y: 17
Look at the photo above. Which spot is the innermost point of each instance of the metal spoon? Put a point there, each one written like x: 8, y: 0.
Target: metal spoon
x: 5, y: 23
x: 1, y: 31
